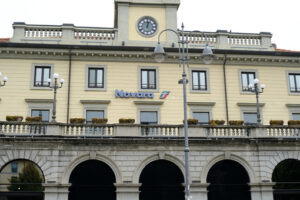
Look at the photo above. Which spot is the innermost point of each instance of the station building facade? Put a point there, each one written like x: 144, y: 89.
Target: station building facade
x: 110, y: 73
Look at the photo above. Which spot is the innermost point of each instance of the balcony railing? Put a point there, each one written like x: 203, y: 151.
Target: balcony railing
x: 147, y: 131
x: 70, y: 34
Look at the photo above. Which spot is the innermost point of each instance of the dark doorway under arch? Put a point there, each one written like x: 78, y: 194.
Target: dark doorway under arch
x: 161, y: 180
x: 228, y: 181
x: 92, y: 180
x: 287, y: 177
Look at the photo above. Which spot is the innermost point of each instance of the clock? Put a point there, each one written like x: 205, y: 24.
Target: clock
x: 147, y: 26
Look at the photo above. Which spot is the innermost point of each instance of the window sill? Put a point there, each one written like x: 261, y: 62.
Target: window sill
x: 96, y: 89
x: 200, y: 91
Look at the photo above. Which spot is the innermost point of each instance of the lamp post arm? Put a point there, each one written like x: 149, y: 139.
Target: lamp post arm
x: 168, y: 29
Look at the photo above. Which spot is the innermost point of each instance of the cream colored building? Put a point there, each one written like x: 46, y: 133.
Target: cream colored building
x: 110, y: 73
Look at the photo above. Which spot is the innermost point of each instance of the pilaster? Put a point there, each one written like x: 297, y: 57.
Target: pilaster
x: 261, y: 191
x: 127, y: 191
x: 55, y: 191
x: 199, y: 191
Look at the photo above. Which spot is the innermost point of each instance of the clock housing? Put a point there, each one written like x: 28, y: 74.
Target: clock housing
x: 147, y: 26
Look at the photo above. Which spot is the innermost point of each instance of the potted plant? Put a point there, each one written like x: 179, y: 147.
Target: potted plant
x: 294, y: 122
x: 216, y: 122
x: 14, y: 118
x: 33, y: 119
x: 192, y: 121
x: 236, y: 122
x: 77, y: 120
x: 126, y: 121
x: 99, y: 120
x: 276, y: 122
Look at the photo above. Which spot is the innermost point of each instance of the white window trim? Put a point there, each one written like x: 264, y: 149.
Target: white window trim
x: 293, y: 108
x: 95, y: 107
x: 148, y: 108
x: 87, y: 77
x: 201, y: 109
x: 191, y: 80
x: 240, y: 79
x: 251, y: 109
x: 288, y: 82
x: 140, y: 68
x: 32, y: 87
x: 40, y: 106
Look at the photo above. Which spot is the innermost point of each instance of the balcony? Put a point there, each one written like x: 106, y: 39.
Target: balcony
x: 16, y: 129
x: 74, y: 35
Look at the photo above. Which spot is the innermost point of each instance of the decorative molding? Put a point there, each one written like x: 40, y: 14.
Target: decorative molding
x: 39, y: 100
x: 95, y: 101
x: 148, y: 102
x: 201, y: 103
x: 292, y: 105
x: 250, y: 104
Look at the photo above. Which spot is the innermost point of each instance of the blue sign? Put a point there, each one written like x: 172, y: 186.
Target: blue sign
x: 123, y: 94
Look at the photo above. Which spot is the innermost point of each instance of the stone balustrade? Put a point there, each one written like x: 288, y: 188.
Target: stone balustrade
x: 148, y: 131
x: 70, y: 34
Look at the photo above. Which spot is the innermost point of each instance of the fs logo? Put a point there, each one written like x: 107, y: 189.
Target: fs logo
x: 164, y: 94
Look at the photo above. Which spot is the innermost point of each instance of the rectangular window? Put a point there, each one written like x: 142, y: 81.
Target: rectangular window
x: 41, y: 76
x: 296, y: 116
x: 199, y: 80
x: 203, y: 117
x: 96, y: 78
x: 14, y: 167
x: 90, y: 114
x: 148, y: 79
x: 247, y: 78
x: 294, y: 82
x: 250, y: 118
x: 41, y: 113
x: 148, y: 117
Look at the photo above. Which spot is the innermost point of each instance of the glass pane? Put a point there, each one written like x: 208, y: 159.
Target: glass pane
x: 99, y: 78
x: 90, y: 114
x: 144, y: 79
x: 46, y: 75
x: 250, y: 118
x: 244, y: 81
x: 195, y: 81
x: 203, y: 117
x: 202, y: 81
x: 41, y: 113
x: 92, y: 75
x: 298, y: 83
x: 38, y: 76
x: 148, y: 117
x: 292, y: 83
x: 296, y: 116
x: 152, y: 79
x: 14, y: 167
x: 251, y: 78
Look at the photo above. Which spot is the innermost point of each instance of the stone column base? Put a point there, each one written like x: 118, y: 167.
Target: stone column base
x: 261, y: 191
x: 54, y: 191
x: 127, y: 191
x: 199, y: 191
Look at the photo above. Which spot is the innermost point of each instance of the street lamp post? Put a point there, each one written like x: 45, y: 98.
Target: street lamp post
x: 55, y: 86
x: 207, y: 57
x: 257, y: 91
x: 5, y: 79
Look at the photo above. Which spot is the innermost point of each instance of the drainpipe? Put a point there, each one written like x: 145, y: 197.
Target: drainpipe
x: 225, y: 88
x: 69, y: 85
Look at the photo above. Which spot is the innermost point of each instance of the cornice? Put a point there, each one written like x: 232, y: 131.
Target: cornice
x: 95, y: 101
x: 142, y: 56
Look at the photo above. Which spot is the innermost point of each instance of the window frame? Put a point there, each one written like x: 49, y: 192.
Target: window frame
x: 207, y: 79
x: 148, y: 68
x: 148, y: 108
x: 199, y: 80
x: 11, y: 168
x: 49, y: 116
x: 33, y: 75
x: 255, y: 113
x: 86, y: 113
x: 202, y: 123
x: 148, y: 79
x: 96, y: 77
x: 40, y: 104
x: 87, y: 77
x: 201, y: 107
x: 251, y: 108
x: 288, y: 82
x: 149, y: 112
x: 241, y: 71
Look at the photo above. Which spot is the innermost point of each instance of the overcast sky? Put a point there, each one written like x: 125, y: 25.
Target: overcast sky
x: 280, y: 17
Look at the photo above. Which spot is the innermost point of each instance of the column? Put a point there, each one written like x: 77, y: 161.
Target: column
x: 55, y: 191
x: 261, y: 191
x: 127, y: 191
x: 199, y: 191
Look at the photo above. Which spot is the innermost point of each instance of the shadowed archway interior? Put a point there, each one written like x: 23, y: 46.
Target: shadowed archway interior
x: 161, y: 180
x: 228, y: 181
x: 287, y: 177
x: 92, y: 180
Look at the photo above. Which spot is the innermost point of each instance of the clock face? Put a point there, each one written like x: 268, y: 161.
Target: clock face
x: 147, y: 26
